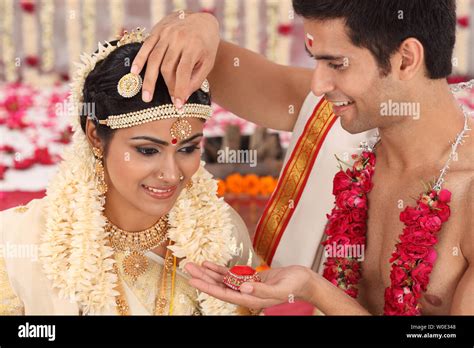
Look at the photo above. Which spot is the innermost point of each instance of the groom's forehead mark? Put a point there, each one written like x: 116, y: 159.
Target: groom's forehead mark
x: 310, y: 39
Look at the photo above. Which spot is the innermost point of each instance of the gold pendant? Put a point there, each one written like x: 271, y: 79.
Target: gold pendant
x: 129, y: 85
x: 135, y: 264
x: 180, y: 130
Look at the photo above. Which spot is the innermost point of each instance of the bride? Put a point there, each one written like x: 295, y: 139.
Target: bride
x: 130, y: 205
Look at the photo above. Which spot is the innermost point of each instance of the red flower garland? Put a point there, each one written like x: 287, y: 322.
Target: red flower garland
x: 414, y: 256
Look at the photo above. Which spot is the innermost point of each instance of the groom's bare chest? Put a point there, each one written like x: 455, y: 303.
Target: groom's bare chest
x: 389, y: 197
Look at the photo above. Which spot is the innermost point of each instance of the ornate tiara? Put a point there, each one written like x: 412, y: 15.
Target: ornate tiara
x: 129, y: 86
x: 157, y: 113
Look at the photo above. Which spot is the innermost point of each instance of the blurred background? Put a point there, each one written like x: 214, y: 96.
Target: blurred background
x: 41, y: 39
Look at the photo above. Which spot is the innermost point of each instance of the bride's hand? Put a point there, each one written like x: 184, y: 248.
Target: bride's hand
x: 183, y: 46
x: 279, y: 285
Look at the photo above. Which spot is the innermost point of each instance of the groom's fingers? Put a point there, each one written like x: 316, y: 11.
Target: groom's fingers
x: 183, y: 77
x: 147, y: 47
x: 152, y: 70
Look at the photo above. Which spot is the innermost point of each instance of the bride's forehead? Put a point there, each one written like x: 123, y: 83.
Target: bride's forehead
x: 161, y: 128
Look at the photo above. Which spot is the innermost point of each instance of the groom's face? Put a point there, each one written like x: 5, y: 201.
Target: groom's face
x: 348, y: 75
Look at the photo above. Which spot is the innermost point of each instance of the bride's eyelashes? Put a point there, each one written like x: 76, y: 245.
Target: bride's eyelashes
x: 189, y: 149
x: 150, y: 151
x: 147, y: 151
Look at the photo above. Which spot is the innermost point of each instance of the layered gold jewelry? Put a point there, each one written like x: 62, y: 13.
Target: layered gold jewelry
x: 157, y: 113
x: 99, y: 171
x: 162, y: 298
x: 135, y: 244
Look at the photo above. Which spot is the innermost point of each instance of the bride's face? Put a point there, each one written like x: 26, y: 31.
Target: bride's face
x: 146, y: 171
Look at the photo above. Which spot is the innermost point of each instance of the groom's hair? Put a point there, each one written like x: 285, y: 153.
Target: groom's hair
x: 382, y: 25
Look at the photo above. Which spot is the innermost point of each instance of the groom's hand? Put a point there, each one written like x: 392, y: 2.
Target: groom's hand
x: 279, y: 285
x: 183, y: 46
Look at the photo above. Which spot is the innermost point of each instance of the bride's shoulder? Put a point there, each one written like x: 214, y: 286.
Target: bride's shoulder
x: 24, y: 221
x: 34, y: 207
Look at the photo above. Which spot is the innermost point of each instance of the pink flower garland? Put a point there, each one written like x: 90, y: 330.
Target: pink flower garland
x: 414, y: 256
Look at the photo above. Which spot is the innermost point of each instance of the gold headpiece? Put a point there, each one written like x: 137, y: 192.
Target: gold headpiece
x: 129, y: 85
x: 180, y: 130
x: 137, y: 35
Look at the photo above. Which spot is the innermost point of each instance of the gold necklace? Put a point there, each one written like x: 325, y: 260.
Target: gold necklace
x: 135, y: 244
x: 162, y: 299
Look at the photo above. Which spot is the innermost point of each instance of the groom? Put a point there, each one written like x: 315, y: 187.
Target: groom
x: 374, y: 59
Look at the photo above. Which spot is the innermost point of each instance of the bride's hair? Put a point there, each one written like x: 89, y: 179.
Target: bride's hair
x: 102, y: 99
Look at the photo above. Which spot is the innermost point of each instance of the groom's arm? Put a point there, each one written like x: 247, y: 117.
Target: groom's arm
x: 268, y: 94
x: 331, y: 300
x: 186, y: 48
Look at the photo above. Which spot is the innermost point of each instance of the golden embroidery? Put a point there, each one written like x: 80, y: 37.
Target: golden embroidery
x: 10, y: 304
x: 21, y: 209
x: 145, y: 289
x: 292, y: 183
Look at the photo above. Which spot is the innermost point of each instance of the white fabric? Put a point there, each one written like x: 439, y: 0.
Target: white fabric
x: 303, y: 235
x: 21, y: 232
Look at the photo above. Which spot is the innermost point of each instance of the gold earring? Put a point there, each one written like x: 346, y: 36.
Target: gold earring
x: 99, y: 171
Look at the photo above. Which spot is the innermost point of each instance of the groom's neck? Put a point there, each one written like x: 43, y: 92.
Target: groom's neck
x: 424, y: 139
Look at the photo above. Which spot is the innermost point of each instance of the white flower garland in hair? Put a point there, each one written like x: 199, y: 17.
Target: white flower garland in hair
x: 74, y: 251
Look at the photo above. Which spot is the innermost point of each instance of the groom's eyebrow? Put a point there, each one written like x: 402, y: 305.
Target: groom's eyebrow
x: 165, y: 143
x: 322, y: 56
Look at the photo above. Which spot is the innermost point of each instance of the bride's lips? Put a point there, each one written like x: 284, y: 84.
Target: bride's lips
x: 160, y: 192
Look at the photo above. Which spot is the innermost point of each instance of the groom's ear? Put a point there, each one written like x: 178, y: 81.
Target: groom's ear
x: 409, y: 61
